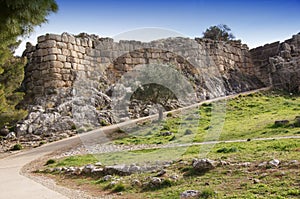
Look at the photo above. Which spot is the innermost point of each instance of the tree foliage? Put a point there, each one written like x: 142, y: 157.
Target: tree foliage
x: 220, y: 33
x: 17, y: 19
x: 154, y: 93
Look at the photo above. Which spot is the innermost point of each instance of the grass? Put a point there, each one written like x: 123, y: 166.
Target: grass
x: 227, y: 181
x: 244, y: 117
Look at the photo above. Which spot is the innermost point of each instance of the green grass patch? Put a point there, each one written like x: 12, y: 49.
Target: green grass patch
x: 245, y: 117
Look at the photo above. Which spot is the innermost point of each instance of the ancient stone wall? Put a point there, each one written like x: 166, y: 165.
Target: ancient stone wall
x: 284, y: 55
x: 80, y: 82
x: 74, y: 82
x: 57, y: 60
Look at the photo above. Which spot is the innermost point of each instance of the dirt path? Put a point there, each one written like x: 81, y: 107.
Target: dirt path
x: 15, y: 185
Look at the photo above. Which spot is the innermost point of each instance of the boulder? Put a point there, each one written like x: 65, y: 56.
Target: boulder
x: 155, y: 181
x: 203, y: 165
x: 189, y: 194
x: 281, y: 122
x: 274, y: 163
x: 4, y: 132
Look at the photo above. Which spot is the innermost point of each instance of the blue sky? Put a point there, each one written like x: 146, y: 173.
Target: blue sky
x: 255, y: 22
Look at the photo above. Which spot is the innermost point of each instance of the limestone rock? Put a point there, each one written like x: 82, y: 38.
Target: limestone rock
x: 203, y: 165
x: 189, y: 194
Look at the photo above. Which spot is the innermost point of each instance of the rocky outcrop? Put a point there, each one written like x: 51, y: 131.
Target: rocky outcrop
x: 278, y: 64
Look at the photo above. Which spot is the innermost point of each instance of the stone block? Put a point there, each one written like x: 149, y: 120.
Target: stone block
x: 56, y: 64
x: 38, y: 90
x: 80, y: 55
x: 68, y: 83
x: 80, y: 67
x: 55, y: 75
x: 36, y: 74
x: 54, y: 70
x: 90, y: 43
x: 70, y: 46
x: 86, y: 62
x: 61, y: 45
x: 53, y: 51
x: 49, y: 58
x: 47, y: 84
x: 61, y: 58
x: 44, y: 66
x: 75, y: 47
x: 53, y: 37
x: 67, y: 65
x: 72, y: 39
x: 73, y: 60
x: 78, y: 41
x: 41, y: 38
x: 84, y: 42
x: 65, y: 71
x: 81, y: 49
x: 58, y: 84
x: 49, y: 44
x: 42, y: 52
x: 65, y: 38
x: 73, y: 53
x: 65, y: 52
x: 66, y: 77
x: 45, y: 72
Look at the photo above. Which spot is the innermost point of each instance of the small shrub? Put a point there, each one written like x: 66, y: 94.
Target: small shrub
x: 172, y: 138
x: 188, y: 132
x: 103, y: 123
x: 169, y: 115
x: 227, y: 150
x: 207, y: 104
x: 17, y: 147
x: 42, y: 143
x: 165, y: 127
x: 81, y: 130
x: 50, y: 161
x: 167, y: 183
x: 73, y: 127
x: 207, y: 193
x: 297, y: 121
x: 119, y: 187
x: 280, y: 123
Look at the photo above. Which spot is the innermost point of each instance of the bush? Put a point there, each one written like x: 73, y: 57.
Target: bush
x: 220, y: 33
x: 166, y: 183
x: 188, y: 132
x: 103, y: 123
x: 17, y: 147
x: 50, y: 161
x: 169, y: 115
x: 227, y: 150
x: 119, y: 187
x: 207, y: 193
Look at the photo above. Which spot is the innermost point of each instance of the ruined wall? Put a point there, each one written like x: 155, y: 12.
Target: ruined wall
x: 277, y: 64
x: 74, y: 82
x: 57, y: 60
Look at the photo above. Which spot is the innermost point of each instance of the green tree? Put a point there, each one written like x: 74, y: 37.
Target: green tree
x: 220, y: 33
x: 17, y: 19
